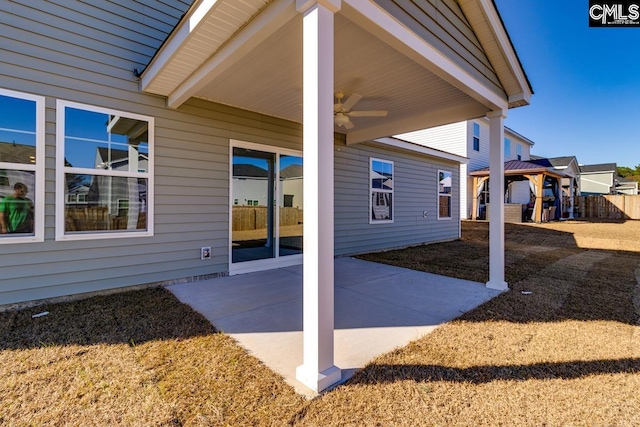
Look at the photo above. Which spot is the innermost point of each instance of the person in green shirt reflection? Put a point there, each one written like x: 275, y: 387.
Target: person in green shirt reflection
x: 16, y: 211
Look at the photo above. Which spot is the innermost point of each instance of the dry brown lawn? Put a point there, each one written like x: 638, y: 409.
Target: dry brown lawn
x: 566, y: 352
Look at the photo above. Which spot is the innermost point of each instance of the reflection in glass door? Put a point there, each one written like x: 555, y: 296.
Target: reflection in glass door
x: 290, y: 206
x: 266, y: 220
x: 253, y: 227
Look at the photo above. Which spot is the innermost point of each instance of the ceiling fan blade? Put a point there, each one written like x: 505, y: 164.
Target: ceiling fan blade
x: 351, y: 101
x: 348, y: 125
x: 368, y: 113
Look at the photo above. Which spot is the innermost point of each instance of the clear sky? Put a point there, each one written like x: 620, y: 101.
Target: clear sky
x: 586, y: 82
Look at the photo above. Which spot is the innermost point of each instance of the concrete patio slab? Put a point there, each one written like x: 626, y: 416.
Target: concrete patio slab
x: 377, y: 309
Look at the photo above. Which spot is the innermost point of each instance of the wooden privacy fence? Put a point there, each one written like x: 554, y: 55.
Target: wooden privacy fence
x: 97, y: 218
x: 255, y: 217
x: 608, y: 206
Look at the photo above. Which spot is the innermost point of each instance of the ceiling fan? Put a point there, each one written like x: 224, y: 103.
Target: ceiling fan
x: 342, y: 111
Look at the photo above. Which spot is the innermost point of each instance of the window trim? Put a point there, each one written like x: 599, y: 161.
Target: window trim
x: 38, y: 168
x: 392, y: 191
x: 450, y: 195
x: 61, y: 170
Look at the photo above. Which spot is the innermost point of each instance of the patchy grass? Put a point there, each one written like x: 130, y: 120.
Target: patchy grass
x: 134, y: 359
x: 564, y: 352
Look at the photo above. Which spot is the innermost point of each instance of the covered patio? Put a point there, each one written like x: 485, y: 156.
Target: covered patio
x: 424, y: 65
x: 378, y: 308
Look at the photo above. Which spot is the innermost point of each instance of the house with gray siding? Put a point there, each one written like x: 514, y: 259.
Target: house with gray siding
x: 598, y: 179
x: 470, y: 139
x: 626, y: 186
x: 181, y: 92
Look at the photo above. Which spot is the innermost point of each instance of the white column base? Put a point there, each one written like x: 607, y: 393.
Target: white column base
x: 499, y: 286
x: 318, y: 381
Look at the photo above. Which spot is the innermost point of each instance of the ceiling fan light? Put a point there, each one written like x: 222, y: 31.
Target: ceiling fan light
x: 340, y: 119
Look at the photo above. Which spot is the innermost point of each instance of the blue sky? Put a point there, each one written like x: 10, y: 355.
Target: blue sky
x: 586, y: 82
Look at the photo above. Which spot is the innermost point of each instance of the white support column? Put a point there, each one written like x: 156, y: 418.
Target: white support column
x: 572, y: 191
x: 496, y: 198
x: 317, y: 370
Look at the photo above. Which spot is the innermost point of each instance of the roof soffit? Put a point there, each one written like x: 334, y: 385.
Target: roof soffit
x: 209, y: 58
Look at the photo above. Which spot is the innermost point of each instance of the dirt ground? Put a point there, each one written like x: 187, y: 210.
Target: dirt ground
x: 560, y: 348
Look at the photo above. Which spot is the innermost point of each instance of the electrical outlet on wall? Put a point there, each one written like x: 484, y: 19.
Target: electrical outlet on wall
x: 424, y: 214
x: 205, y: 252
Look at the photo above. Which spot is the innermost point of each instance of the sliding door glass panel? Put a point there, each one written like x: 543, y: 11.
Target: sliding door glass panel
x: 290, y: 203
x: 253, y: 207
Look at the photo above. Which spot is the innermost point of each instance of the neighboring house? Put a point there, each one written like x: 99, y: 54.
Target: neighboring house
x: 470, y: 139
x: 626, y: 186
x: 199, y: 87
x: 598, y: 179
x: 570, y: 168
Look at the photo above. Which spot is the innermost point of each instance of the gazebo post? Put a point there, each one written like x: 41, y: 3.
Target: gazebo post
x: 539, y: 192
x: 474, y: 203
x: 571, y: 193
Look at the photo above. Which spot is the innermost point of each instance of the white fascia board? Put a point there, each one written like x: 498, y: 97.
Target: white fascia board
x: 506, y: 46
x: 266, y: 23
x: 381, y: 24
x: 177, y: 39
x: 418, y: 122
x: 417, y: 148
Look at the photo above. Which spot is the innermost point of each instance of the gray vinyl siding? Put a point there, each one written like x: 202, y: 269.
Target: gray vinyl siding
x: 415, y: 190
x: 81, y: 52
x: 443, y: 24
x: 596, y: 182
x: 85, y: 51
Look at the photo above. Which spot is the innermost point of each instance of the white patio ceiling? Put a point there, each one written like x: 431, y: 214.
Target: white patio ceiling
x: 248, y: 54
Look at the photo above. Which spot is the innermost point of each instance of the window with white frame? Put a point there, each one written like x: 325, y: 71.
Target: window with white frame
x: 519, y: 151
x: 21, y: 167
x: 381, y: 191
x: 445, y: 185
x: 507, y: 147
x: 104, y: 173
x: 476, y: 136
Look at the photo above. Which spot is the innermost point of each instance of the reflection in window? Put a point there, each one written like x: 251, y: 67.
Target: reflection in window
x: 476, y: 137
x: 105, y: 203
x: 107, y: 163
x: 381, y: 189
x: 444, y: 194
x: 21, y: 147
x: 16, y: 207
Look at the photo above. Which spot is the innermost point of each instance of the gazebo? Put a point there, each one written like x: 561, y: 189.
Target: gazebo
x: 518, y: 170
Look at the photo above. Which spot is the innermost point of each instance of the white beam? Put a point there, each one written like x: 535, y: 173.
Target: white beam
x: 265, y: 24
x: 418, y: 122
x: 317, y: 370
x: 496, y: 199
x: 422, y: 149
x: 368, y: 15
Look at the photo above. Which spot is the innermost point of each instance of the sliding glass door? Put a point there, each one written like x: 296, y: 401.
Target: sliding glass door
x: 266, y: 207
